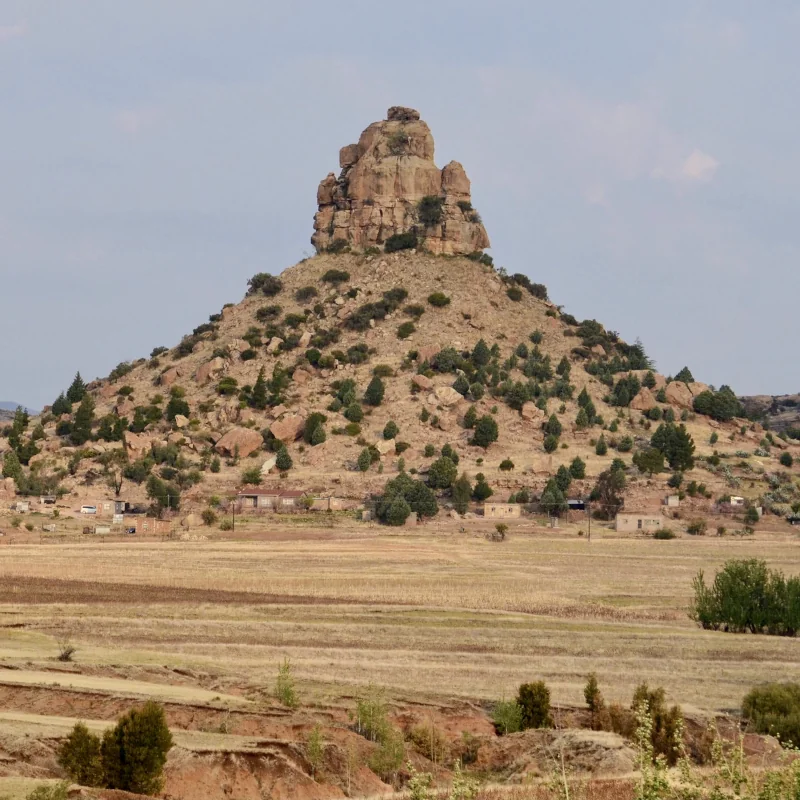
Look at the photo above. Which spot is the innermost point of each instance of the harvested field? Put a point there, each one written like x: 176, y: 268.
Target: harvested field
x: 447, y: 622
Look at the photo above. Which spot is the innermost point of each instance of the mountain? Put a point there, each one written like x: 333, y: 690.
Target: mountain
x: 7, y: 409
x: 398, y: 340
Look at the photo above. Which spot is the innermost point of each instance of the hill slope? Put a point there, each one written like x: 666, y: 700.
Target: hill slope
x: 213, y: 371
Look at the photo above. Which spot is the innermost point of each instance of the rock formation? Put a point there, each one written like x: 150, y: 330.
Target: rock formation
x: 383, y: 180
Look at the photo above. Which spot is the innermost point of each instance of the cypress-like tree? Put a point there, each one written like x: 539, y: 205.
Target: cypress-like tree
x: 375, y: 390
x: 462, y: 491
x: 11, y: 467
x: 82, y: 426
x: 601, y: 448
x: 364, y: 460
x: 481, y: 354
x: 552, y: 427
x: 563, y: 478
x: 77, y: 389
x: 258, y: 399
x: 577, y: 468
x: 61, y: 406
x: 283, y: 460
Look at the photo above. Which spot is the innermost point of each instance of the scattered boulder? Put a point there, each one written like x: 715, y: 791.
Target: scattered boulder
x: 181, y: 421
x: 422, y: 382
x: 305, y: 339
x: 136, y: 444
x: 643, y: 401
x: 274, y: 344
x: 269, y: 465
x: 247, y: 440
x: 530, y: 412
x: 288, y: 428
x: 679, y: 394
x: 209, y: 369
x: 447, y: 396
x: 697, y: 388
x: 169, y: 376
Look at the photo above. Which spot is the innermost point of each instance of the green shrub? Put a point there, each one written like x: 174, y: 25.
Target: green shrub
x: 442, y: 473
x: 534, y: 701
x: 550, y: 443
x: 390, y: 430
x: 336, y: 276
x: 514, y: 293
x: 439, y: 299
x: 485, y: 432
x: 429, y: 210
x: 79, y: 756
x: 507, y: 717
x: 285, y: 689
x: 208, y: 516
x: 135, y: 750
x: 251, y: 476
x: 401, y: 241
x: 506, y: 465
x: 774, y: 709
x: 414, y: 310
x: 663, y: 533
x: 305, y: 294
x: 786, y: 460
x: 264, y: 283
x: 746, y: 596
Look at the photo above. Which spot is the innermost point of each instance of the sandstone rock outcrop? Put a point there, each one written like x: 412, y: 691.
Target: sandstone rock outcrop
x: 382, y: 181
x: 247, y: 441
x: 643, y: 401
x: 679, y: 394
x: 288, y: 428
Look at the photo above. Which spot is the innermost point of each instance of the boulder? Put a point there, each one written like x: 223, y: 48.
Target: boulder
x: 383, y: 178
x: 422, y: 382
x: 191, y: 521
x: 427, y: 352
x: 384, y: 446
x: 679, y: 394
x: 136, y: 444
x: 181, y: 421
x: 124, y: 407
x: 247, y: 440
x: 301, y: 376
x: 269, y: 464
x: 643, y: 401
x: 305, y: 339
x: 530, y: 412
x: 697, y: 388
x: 288, y: 428
x: 599, y: 350
x: 274, y: 344
x: 169, y: 376
x: 209, y: 369
x: 447, y: 396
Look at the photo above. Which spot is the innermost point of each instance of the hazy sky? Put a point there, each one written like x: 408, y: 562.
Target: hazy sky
x: 640, y: 159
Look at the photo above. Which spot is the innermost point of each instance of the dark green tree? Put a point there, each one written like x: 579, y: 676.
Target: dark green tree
x: 534, y: 700
x: 79, y: 756
x: 462, y: 491
x: 481, y: 355
x: 676, y: 444
x: 12, y: 468
x: 552, y: 427
x: 442, y: 473
x: 259, y: 396
x: 390, y: 430
x: 486, y: 432
x: 601, y: 448
x: 77, y: 389
x: 685, y: 375
x: 364, y: 459
x: 650, y: 460
x: 61, y: 406
x: 135, y: 750
x: 577, y: 468
x: 563, y: 478
x: 552, y: 500
x: 283, y: 460
x: 375, y: 391
x: 482, y: 491
x: 165, y: 495
x: 84, y: 417
x: 550, y: 443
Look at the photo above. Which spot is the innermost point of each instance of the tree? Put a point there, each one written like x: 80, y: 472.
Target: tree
x: 607, y: 493
x: 82, y: 426
x: 481, y: 354
x: 79, y: 756
x: 577, y: 468
x: 442, y: 473
x: 534, y: 700
x: 375, y: 391
x: 364, y: 460
x: 552, y: 500
x: 550, y: 443
x: 582, y: 420
x: 601, y: 448
x: 676, y: 444
x: 592, y: 695
x: 283, y: 460
x: 61, y: 406
x: 177, y: 404
x: 685, y: 375
x: 313, y: 421
x: 650, y: 460
x: 563, y: 478
x: 751, y: 515
x: 354, y: 413
x: 12, y: 468
x: 649, y: 382
x: 722, y: 405
x: 135, y: 750
x: 482, y: 490
x: 77, y: 389
x: 258, y: 397
x: 462, y: 491
x: 390, y: 430
x: 461, y: 385
x: 165, y: 495
x: 786, y: 460
x: 471, y: 417
x: 319, y: 435
x: 485, y: 432
x: 397, y: 512
x: 553, y: 427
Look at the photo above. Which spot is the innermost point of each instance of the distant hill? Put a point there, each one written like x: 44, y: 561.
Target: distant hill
x: 8, y: 407
x: 781, y: 412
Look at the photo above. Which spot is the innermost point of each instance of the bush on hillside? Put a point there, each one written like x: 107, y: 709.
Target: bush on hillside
x: 439, y: 299
x: 534, y: 702
x: 774, y: 709
x: 401, y: 241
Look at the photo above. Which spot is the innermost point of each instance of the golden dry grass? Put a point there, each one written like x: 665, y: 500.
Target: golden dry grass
x: 450, y: 615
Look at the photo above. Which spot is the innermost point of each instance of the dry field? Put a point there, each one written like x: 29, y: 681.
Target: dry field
x: 443, y: 615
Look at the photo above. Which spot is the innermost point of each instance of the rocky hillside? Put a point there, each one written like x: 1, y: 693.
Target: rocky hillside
x: 363, y: 362
x: 781, y: 412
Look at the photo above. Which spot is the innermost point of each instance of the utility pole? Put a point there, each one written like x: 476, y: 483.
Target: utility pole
x: 589, y: 518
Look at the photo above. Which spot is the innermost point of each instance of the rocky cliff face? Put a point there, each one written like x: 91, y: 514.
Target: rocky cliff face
x: 381, y: 187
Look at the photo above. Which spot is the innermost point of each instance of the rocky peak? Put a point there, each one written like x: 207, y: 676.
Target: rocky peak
x: 383, y: 179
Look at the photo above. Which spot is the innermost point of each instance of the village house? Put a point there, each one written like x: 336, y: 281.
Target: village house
x: 672, y: 501
x: 269, y: 500
x: 502, y: 510
x: 633, y: 521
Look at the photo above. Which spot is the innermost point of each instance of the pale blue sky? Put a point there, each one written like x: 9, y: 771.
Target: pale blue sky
x: 640, y: 159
